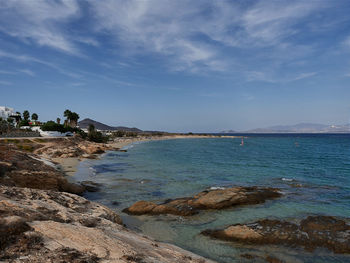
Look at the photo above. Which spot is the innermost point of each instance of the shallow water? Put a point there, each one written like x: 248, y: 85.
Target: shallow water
x: 312, y: 171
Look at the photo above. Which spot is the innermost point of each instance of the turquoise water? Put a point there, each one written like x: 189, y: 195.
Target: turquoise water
x: 312, y: 171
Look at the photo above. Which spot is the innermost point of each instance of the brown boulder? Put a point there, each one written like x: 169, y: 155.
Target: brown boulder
x: 312, y: 232
x: 214, y: 199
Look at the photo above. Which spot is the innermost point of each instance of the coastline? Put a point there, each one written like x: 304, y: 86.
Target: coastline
x: 43, y: 218
x: 41, y: 206
x: 70, y: 165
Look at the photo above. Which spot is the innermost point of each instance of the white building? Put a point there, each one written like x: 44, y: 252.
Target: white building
x: 6, y: 112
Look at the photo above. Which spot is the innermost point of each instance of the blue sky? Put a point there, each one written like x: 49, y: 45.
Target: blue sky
x: 200, y: 66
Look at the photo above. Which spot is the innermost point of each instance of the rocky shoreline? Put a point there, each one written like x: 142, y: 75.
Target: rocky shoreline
x: 43, y: 218
x: 310, y: 233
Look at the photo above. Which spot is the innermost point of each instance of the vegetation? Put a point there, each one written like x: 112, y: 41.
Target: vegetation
x: 53, y: 126
x: 96, y: 136
x: 6, y: 126
x: 26, y: 115
x: 71, y: 118
x: 10, y: 120
x: 121, y: 133
x: 35, y: 117
x: 23, y: 122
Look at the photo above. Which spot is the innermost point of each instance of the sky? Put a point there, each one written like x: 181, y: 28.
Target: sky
x: 176, y: 65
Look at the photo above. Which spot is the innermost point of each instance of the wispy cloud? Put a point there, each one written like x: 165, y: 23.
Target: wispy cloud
x: 304, y: 76
x: 42, y: 22
x: 185, y: 35
x: 6, y: 72
x: 29, y: 59
x: 272, y: 77
x: 5, y: 83
x: 180, y: 29
x: 27, y: 71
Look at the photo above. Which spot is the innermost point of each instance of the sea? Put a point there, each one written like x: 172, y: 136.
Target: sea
x: 312, y: 171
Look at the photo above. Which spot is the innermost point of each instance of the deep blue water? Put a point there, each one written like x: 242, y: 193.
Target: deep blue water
x: 312, y: 170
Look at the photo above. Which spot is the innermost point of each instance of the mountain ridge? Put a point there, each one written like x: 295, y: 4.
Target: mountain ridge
x: 84, y: 124
x: 301, y: 128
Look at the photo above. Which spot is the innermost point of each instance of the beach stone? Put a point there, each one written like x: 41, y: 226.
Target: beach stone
x: 311, y: 233
x: 209, y: 199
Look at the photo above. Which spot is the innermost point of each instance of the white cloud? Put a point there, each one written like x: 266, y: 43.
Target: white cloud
x: 39, y: 21
x: 188, y: 35
x: 6, y: 72
x: 303, y: 76
x: 5, y: 83
x: 28, y: 72
x: 30, y: 59
x: 184, y: 31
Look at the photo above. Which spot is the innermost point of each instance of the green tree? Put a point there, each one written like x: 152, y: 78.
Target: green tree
x: 10, y: 120
x: 67, y: 113
x: 26, y: 115
x: 19, y: 115
x: 71, y: 118
x: 35, y: 117
x: 96, y: 136
x: 58, y: 120
x: 74, y: 117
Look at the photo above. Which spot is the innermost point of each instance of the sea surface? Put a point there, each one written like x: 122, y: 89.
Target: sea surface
x: 313, y: 171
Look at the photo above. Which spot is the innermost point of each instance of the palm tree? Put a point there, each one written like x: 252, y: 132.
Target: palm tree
x: 74, y: 119
x: 67, y: 113
x: 71, y: 118
x: 26, y: 115
x: 35, y: 117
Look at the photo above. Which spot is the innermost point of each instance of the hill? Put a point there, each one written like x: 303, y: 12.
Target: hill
x: 304, y: 128
x: 84, y: 124
x: 301, y: 128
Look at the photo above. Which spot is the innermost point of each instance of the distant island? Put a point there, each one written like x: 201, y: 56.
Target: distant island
x: 299, y: 128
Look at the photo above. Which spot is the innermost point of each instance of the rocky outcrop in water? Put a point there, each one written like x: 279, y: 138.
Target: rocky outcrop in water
x: 210, y: 199
x: 311, y: 233
x: 41, y: 222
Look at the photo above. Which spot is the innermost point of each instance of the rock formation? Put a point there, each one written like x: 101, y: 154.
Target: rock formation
x: 210, y: 199
x: 42, y: 220
x: 50, y: 226
x: 311, y: 233
x: 18, y: 168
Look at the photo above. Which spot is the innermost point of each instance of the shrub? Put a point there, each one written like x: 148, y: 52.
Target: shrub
x: 96, y: 136
x: 23, y: 123
x: 119, y: 134
x: 131, y: 134
x: 53, y: 126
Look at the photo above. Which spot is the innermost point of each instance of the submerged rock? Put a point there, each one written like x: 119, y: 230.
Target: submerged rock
x: 91, y: 186
x: 311, y: 233
x: 210, y: 199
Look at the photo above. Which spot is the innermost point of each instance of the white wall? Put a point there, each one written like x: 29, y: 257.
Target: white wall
x: 5, y: 112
